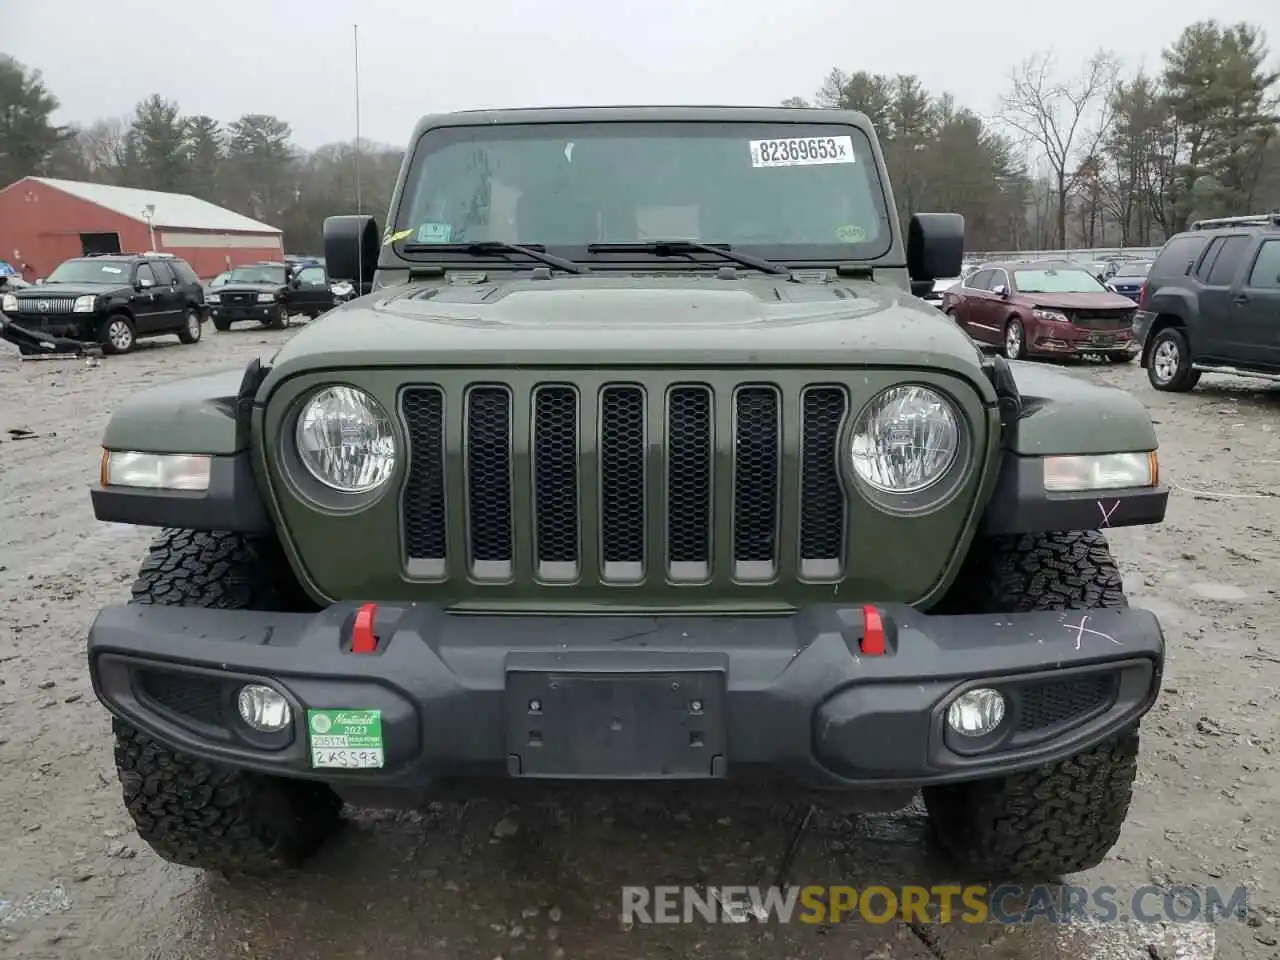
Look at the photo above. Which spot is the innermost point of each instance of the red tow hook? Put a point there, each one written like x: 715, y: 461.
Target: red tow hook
x: 362, y: 636
x: 873, y: 640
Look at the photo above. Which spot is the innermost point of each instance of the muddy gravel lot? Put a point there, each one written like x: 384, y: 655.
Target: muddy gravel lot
x: 539, y: 875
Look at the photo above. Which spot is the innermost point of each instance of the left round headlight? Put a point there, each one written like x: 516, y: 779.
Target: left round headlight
x: 345, y: 440
x: 905, y: 440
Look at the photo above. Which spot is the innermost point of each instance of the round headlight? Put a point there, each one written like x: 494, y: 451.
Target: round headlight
x: 345, y: 440
x: 905, y: 439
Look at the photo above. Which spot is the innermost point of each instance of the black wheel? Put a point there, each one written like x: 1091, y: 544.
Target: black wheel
x: 1015, y: 340
x: 278, y: 320
x: 190, y: 811
x: 191, y: 326
x: 117, y: 334
x: 1169, y: 362
x: 1061, y: 817
x: 221, y: 324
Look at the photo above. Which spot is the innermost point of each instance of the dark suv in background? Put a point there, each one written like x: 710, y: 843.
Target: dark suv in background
x: 269, y: 293
x: 112, y: 300
x: 1211, y: 303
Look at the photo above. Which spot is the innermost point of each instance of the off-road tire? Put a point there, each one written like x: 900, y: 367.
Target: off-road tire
x: 190, y: 811
x: 1061, y: 817
x: 278, y: 320
x: 1184, y: 378
x: 221, y: 325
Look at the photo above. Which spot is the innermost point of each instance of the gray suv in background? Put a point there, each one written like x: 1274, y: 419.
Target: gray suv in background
x: 1211, y: 303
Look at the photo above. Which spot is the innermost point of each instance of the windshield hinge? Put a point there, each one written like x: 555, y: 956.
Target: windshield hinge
x: 855, y: 271
x: 432, y: 271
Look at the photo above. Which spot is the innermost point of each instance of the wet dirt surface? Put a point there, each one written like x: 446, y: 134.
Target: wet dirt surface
x: 539, y: 875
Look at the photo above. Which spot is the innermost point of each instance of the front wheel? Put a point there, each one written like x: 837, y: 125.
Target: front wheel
x: 1169, y: 366
x: 117, y: 334
x: 191, y: 327
x: 1064, y: 816
x: 201, y: 814
x: 1015, y: 340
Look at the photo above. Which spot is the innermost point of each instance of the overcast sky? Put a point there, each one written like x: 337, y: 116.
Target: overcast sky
x: 294, y: 58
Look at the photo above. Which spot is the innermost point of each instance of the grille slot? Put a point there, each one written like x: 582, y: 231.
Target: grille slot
x: 555, y: 482
x: 756, y: 481
x: 622, y: 486
x: 822, y: 497
x: 617, y: 484
x: 690, y: 454
x: 489, y: 483
x: 425, y: 525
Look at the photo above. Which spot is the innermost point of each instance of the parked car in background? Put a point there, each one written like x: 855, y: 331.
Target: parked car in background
x: 269, y: 293
x: 113, y: 300
x: 1045, y: 309
x: 1129, y: 277
x: 1211, y: 303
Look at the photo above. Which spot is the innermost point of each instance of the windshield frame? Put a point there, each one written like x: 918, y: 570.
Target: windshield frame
x: 1018, y: 288
x: 233, y: 279
x: 123, y: 278
x: 437, y: 137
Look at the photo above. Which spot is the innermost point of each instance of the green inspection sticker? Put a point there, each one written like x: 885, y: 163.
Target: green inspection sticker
x: 345, y: 739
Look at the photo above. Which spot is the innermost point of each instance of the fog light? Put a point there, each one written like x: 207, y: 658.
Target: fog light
x: 263, y: 708
x: 976, y: 713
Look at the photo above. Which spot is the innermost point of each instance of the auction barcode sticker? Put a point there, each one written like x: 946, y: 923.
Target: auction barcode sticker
x: 350, y: 739
x: 802, y: 151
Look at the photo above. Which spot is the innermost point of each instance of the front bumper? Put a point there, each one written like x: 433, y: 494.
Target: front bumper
x: 634, y: 697
x: 20, y: 328
x: 260, y: 312
x: 1114, y: 342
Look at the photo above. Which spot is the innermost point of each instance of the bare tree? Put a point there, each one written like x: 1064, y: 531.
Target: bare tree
x: 1065, y: 121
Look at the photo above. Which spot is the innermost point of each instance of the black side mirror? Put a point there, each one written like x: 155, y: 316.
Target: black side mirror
x: 351, y: 248
x: 935, y: 246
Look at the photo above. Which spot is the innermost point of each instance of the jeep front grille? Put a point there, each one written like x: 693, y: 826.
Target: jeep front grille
x: 43, y: 306
x: 625, y: 483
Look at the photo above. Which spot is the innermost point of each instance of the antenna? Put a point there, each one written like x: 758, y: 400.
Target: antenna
x: 355, y: 37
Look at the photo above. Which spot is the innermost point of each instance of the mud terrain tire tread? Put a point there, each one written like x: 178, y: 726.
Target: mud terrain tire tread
x: 198, y: 814
x: 201, y: 814
x: 1061, y: 817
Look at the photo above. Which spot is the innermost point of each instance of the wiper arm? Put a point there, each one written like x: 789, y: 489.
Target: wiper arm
x: 482, y: 247
x: 674, y: 248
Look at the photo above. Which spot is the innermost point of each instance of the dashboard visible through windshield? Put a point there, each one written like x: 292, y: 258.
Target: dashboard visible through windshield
x: 780, y: 191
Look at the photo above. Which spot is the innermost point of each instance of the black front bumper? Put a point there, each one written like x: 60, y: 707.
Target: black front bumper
x: 234, y: 313
x: 23, y: 328
x: 634, y: 697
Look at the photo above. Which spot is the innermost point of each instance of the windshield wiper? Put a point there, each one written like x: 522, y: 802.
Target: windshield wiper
x: 481, y: 247
x: 675, y: 248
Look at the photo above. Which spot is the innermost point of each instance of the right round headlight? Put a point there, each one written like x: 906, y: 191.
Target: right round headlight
x: 345, y: 440
x: 905, y: 440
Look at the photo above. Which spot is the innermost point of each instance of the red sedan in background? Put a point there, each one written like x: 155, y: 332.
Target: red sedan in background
x: 1045, y: 309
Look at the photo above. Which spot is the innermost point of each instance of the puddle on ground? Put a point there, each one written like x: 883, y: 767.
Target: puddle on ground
x: 1209, y: 590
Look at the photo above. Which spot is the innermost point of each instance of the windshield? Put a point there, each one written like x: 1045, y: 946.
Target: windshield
x: 763, y: 188
x: 90, y: 271
x: 1070, y: 280
x: 1134, y: 270
x: 257, y: 273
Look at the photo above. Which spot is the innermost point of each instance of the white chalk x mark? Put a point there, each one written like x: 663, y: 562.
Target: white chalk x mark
x: 1081, y: 629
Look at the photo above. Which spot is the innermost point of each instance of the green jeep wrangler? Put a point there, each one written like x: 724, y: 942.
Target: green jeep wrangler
x: 637, y: 460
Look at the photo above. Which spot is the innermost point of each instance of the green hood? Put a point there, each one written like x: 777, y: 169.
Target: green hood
x: 653, y: 321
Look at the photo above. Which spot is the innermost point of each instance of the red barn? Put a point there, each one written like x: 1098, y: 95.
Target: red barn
x: 45, y: 221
